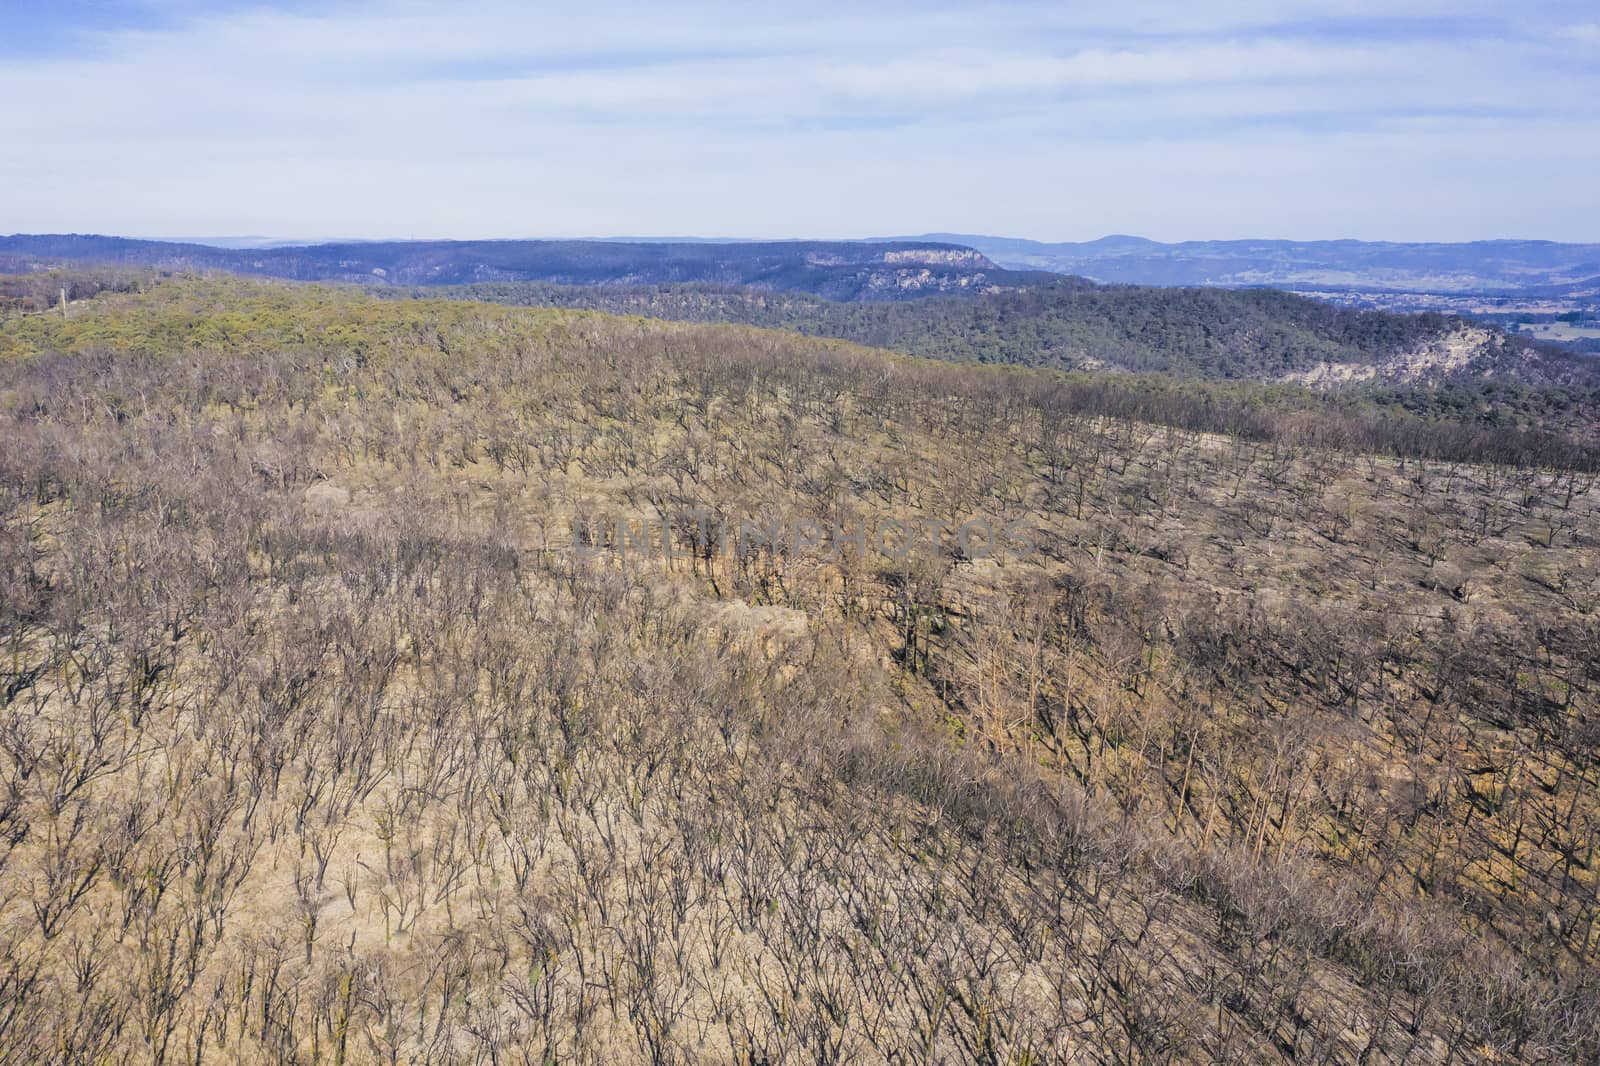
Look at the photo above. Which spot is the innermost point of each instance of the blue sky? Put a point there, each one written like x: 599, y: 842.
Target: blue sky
x: 1376, y: 119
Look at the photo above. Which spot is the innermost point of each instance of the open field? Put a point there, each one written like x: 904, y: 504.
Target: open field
x: 1564, y: 332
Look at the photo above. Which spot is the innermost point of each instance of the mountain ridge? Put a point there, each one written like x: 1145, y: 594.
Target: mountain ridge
x: 839, y: 270
x: 1510, y: 265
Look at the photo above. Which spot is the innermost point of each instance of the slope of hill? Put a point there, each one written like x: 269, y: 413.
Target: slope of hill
x: 836, y: 270
x: 1481, y: 266
x: 373, y: 692
x: 1209, y: 334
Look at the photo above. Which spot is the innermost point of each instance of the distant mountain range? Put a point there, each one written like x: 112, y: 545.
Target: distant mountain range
x: 877, y: 269
x: 836, y: 270
x: 1478, y: 267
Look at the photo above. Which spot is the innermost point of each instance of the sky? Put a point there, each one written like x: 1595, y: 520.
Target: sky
x: 1059, y: 120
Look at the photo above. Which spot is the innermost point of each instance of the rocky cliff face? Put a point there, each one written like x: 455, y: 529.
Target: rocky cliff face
x: 956, y: 257
x: 887, y: 283
x: 1462, y: 353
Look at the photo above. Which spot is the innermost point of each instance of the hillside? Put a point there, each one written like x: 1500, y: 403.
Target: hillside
x: 836, y: 270
x: 391, y: 681
x: 1452, y: 366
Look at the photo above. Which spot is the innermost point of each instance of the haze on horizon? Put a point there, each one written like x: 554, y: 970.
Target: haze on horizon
x: 1401, y: 120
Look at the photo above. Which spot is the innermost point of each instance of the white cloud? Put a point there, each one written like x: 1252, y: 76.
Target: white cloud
x: 1049, y: 120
